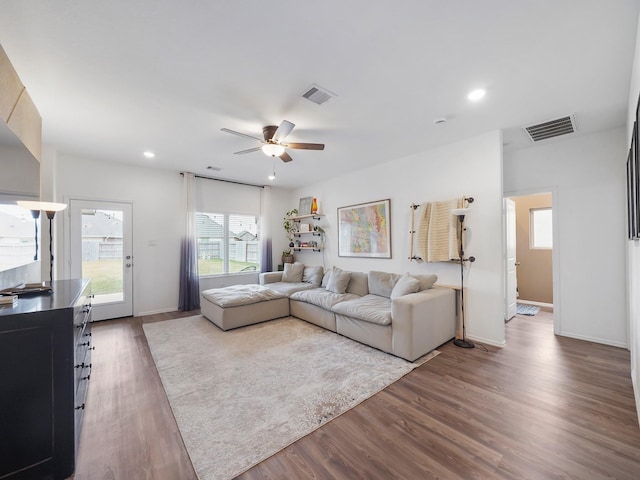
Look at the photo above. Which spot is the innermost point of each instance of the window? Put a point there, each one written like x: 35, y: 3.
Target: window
x: 227, y: 243
x: 541, y: 231
x: 17, y: 236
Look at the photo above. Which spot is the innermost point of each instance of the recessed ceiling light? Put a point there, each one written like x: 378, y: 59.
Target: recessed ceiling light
x: 477, y: 94
x: 149, y: 154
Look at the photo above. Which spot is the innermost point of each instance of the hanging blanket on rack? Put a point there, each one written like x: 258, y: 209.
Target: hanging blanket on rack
x: 436, y: 232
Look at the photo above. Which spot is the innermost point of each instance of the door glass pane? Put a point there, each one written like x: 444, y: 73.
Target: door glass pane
x: 102, y: 260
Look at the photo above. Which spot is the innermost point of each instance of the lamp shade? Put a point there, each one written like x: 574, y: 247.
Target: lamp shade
x: 46, y: 206
x: 272, y: 149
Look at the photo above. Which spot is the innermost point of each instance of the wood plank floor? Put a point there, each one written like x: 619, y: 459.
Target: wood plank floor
x: 542, y: 407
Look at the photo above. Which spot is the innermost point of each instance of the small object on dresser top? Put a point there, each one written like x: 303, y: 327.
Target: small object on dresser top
x: 27, y: 288
x: 8, y: 300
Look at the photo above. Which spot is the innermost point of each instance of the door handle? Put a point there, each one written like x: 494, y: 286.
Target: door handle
x: 517, y: 263
x: 128, y: 265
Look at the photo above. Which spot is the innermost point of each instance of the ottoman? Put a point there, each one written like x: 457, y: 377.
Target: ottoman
x: 241, y: 305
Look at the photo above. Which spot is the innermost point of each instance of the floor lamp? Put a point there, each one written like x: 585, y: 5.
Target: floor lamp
x: 460, y: 214
x: 50, y: 208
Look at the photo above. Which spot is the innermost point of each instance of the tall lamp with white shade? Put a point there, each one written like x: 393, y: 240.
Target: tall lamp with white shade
x: 460, y: 214
x: 50, y: 208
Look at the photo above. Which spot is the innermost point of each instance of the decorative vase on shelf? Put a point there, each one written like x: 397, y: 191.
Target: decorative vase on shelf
x: 287, y: 258
x: 314, y: 206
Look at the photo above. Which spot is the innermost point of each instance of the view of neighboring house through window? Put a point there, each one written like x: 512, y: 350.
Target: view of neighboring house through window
x: 17, y: 236
x: 227, y: 243
x: 541, y: 228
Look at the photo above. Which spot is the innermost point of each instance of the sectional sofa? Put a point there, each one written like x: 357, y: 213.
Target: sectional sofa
x: 404, y: 315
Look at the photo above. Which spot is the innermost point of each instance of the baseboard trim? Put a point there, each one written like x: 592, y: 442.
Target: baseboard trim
x: 486, y: 341
x: 155, y: 312
x: 586, y: 338
x: 636, y: 393
x: 537, y: 304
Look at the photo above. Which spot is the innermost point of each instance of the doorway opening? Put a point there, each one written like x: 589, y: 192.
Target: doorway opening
x: 530, y: 255
x: 100, y: 249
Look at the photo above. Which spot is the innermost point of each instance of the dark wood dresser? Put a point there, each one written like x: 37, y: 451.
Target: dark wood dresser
x: 45, y: 366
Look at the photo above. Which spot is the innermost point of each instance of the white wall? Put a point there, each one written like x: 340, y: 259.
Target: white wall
x: 20, y: 173
x: 155, y: 196
x: 587, y: 176
x: 469, y: 168
x: 633, y: 247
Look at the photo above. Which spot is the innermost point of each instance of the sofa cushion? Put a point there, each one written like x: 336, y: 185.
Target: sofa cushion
x: 287, y: 288
x: 359, y: 284
x: 238, y: 295
x: 370, y: 308
x: 382, y: 283
x: 426, y: 281
x: 293, y: 272
x: 313, y: 275
x: 405, y: 285
x: 322, y: 297
x: 338, y: 281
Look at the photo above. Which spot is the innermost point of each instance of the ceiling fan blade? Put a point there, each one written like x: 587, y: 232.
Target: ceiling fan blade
x: 249, y: 150
x: 283, y: 130
x: 285, y: 157
x: 233, y: 132
x: 306, y: 146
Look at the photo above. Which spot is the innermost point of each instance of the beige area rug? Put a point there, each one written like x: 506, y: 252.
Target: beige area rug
x: 241, y: 396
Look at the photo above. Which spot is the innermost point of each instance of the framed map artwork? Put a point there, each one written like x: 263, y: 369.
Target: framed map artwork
x: 364, y: 230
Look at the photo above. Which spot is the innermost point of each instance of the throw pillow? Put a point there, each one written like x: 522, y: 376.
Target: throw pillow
x: 426, y: 281
x: 338, y: 281
x: 325, y: 279
x: 293, y: 272
x: 382, y: 283
x: 313, y: 275
x: 406, y: 285
x: 358, y: 284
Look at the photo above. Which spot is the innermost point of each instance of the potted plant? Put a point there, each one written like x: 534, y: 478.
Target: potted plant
x: 287, y: 256
x: 289, y: 225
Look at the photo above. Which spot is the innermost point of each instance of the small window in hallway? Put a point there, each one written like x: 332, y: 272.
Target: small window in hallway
x: 541, y: 228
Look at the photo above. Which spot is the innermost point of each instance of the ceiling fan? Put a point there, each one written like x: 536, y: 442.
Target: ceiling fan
x: 273, y: 145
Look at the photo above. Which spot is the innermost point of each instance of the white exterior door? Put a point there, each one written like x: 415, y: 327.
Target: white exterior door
x: 101, y: 249
x: 511, y: 283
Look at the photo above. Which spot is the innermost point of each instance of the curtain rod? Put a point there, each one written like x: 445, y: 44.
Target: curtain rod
x: 227, y: 181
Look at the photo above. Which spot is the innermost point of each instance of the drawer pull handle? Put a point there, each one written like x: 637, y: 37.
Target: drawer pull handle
x: 81, y: 407
x: 86, y: 378
x: 87, y: 334
x: 80, y: 365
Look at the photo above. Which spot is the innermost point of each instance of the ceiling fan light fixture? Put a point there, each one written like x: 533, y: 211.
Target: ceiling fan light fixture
x: 273, y: 149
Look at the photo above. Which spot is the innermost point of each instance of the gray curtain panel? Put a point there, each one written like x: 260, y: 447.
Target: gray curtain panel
x: 189, y: 297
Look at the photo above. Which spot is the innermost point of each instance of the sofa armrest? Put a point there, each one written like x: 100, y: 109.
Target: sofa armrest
x: 422, y: 321
x: 270, y: 277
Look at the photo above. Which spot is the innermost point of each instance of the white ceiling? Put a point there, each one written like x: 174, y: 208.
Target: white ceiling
x: 115, y: 78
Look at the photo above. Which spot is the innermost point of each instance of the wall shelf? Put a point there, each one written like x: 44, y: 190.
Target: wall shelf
x: 314, y: 216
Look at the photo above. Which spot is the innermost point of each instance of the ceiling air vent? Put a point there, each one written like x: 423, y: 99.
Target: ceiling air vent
x: 552, y: 128
x: 318, y: 95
